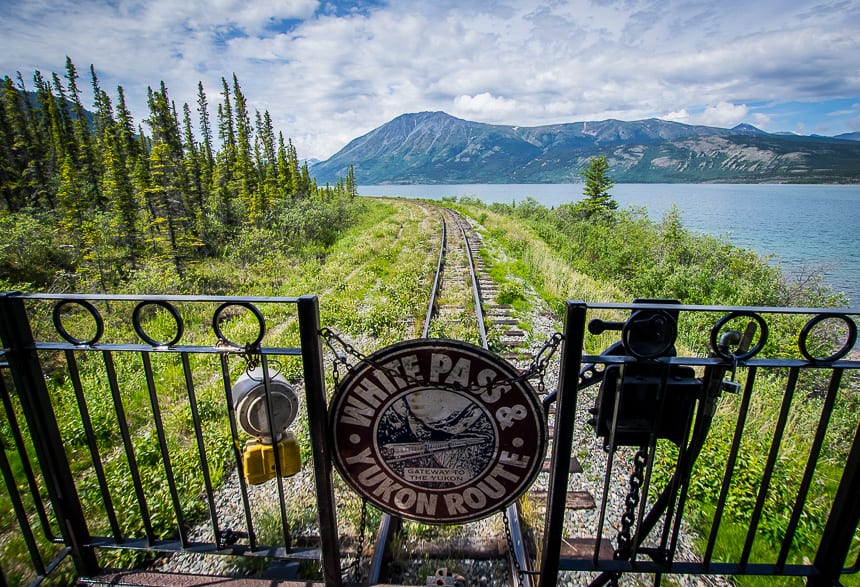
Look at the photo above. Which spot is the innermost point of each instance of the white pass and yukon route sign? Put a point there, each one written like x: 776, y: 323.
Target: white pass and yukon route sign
x: 437, y: 431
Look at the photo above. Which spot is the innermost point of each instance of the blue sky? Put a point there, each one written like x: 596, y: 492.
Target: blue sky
x: 331, y: 71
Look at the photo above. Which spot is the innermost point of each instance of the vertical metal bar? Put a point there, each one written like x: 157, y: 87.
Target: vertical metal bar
x: 312, y: 361
x: 162, y: 445
x: 519, y: 557
x: 568, y: 380
x: 26, y: 465
x: 388, y: 526
x: 270, y: 415
x: 237, y: 453
x: 17, y: 336
x: 95, y: 456
x: 640, y: 534
x: 20, y: 512
x: 201, y: 447
x: 730, y: 467
x: 769, y: 466
x: 122, y: 421
x: 811, y: 462
x: 841, y: 524
x: 687, y: 455
x: 610, y: 465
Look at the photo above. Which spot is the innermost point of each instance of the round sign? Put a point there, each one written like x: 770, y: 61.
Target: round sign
x: 437, y: 431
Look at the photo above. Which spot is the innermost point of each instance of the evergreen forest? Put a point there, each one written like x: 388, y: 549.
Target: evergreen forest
x: 93, y: 200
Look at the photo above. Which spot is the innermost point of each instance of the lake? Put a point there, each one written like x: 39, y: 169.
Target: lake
x: 804, y: 227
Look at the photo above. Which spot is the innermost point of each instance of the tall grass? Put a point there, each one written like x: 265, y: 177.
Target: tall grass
x: 626, y: 256
x: 373, y: 282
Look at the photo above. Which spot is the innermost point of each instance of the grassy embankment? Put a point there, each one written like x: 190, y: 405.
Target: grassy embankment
x: 373, y: 283
x: 627, y: 256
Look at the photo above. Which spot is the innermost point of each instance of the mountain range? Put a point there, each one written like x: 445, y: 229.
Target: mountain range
x: 435, y: 147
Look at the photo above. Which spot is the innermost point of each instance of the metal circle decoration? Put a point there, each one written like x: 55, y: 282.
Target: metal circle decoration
x: 850, y: 341
x: 252, y: 411
x: 138, y: 328
x: 437, y: 431
x: 58, y: 322
x: 217, y: 318
x: 762, y: 336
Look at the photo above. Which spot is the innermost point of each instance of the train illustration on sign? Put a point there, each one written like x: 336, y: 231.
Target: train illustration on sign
x: 403, y: 451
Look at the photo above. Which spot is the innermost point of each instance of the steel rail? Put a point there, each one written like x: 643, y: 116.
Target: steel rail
x: 389, y: 525
x: 437, y: 280
x: 476, y: 288
x: 518, y: 558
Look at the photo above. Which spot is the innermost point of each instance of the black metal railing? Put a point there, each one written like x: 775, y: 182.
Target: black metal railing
x: 119, y: 451
x: 686, y: 423
x: 707, y: 420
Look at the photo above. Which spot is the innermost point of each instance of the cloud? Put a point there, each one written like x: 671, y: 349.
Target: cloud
x: 724, y: 114
x: 329, y: 71
x: 485, y: 105
x: 761, y: 120
x: 678, y: 116
x: 854, y: 110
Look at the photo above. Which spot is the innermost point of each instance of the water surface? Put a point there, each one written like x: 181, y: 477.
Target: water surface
x: 805, y: 227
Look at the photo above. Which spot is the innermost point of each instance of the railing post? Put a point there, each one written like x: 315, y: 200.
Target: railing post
x: 842, y: 523
x: 17, y: 336
x: 312, y: 360
x: 565, y: 411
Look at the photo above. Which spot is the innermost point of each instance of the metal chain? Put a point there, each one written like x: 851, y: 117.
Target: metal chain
x: 537, y: 368
x: 330, y: 339
x: 362, y: 529
x: 250, y: 353
x: 637, y: 477
x: 541, y: 360
x: 354, y: 568
x: 521, y: 572
x: 510, y: 538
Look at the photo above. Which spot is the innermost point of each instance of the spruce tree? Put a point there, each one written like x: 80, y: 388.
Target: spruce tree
x: 167, y: 185
x: 64, y: 133
x: 84, y: 151
x: 129, y: 145
x: 44, y: 121
x: 119, y: 190
x: 205, y: 136
x: 350, y: 187
x: 598, y: 201
x: 8, y: 169
x: 245, y: 175
x: 38, y: 167
x: 14, y: 145
x: 285, y: 178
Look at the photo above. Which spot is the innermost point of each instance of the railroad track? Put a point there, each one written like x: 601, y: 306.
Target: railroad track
x: 462, y: 306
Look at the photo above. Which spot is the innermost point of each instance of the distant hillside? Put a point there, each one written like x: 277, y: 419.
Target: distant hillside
x: 434, y: 147
x: 33, y: 99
